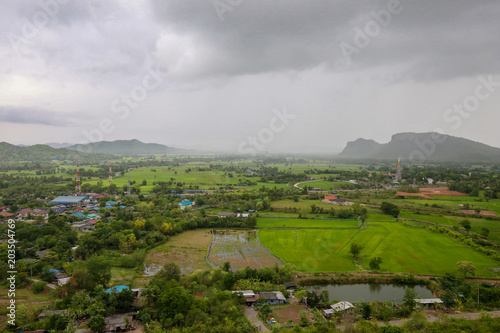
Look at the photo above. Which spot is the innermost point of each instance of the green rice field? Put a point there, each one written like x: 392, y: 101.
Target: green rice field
x: 403, y: 249
x: 304, y: 223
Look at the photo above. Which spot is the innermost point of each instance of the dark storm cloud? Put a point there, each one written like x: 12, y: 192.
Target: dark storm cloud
x: 433, y: 39
x: 34, y: 116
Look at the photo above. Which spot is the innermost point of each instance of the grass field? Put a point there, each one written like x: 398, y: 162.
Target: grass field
x: 27, y: 298
x: 304, y: 223
x: 452, y: 202
x: 403, y: 249
x: 301, y: 204
x: 380, y: 217
x: 208, y: 180
x: 122, y: 276
x: 188, y: 250
x: 476, y: 224
x: 325, y: 185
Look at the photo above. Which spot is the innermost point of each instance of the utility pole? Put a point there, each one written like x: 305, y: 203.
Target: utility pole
x: 128, y: 182
x: 78, y: 187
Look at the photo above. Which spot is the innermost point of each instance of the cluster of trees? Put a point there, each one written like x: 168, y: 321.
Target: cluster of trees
x: 169, y: 301
x: 389, y: 209
x: 460, y: 293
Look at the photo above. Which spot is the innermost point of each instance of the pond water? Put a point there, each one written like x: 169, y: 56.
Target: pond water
x: 369, y: 292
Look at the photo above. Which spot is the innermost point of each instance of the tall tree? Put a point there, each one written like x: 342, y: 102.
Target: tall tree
x: 355, y: 249
x: 409, y: 298
x: 375, y: 263
x: 100, y: 270
x: 465, y: 267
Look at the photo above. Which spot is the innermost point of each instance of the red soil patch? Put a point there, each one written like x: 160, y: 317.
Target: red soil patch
x: 441, y: 191
x: 426, y: 193
x: 483, y: 213
x: 420, y: 195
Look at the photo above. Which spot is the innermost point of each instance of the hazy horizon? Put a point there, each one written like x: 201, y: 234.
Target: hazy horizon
x: 248, y: 76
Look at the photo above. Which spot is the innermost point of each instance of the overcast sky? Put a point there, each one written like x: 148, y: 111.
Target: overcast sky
x: 294, y: 76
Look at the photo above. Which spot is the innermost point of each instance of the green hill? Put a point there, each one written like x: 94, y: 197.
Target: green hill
x: 40, y: 153
x: 422, y: 146
x: 129, y: 147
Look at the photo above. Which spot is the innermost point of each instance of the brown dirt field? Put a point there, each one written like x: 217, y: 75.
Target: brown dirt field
x: 284, y: 313
x: 441, y: 191
x: 420, y: 195
x: 188, y: 250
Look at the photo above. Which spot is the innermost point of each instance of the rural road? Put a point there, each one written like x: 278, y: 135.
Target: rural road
x: 309, y: 181
x: 251, y: 315
x: 50, y: 285
x: 468, y: 316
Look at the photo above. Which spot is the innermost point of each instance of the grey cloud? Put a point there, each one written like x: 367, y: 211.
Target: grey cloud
x: 433, y: 40
x: 103, y: 41
x: 30, y: 115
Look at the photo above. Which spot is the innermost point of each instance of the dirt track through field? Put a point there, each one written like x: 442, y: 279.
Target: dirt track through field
x: 468, y: 316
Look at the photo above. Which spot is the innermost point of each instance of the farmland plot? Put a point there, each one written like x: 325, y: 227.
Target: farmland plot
x: 241, y: 249
x: 188, y: 250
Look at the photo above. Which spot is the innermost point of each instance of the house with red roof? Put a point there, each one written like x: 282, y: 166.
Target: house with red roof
x: 6, y: 215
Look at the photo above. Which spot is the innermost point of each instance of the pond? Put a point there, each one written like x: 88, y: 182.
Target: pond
x: 369, y: 292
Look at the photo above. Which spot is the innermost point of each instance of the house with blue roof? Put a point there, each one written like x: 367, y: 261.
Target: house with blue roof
x: 111, y: 202
x: 185, y: 204
x: 79, y: 214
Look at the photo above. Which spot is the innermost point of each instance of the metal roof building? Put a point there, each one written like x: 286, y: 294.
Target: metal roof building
x: 341, y: 306
x: 428, y: 301
x: 68, y: 200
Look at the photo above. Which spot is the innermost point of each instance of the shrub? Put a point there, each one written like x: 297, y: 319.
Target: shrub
x: 38, y: 287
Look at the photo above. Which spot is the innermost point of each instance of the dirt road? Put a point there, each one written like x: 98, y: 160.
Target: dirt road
x: 251, y: 315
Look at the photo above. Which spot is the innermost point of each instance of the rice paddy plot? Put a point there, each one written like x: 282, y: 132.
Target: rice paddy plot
x: 240, y: 249
x: 402, y: 249
x: 310, y: 250
x: 305, y: 223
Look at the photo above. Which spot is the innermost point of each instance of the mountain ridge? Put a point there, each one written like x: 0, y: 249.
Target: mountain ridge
x: 40, y: 153
x: 429, y: 146
x: 129, y: 147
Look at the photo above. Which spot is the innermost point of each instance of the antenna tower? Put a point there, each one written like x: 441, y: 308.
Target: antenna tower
x: 110, y: 175
x: 398, y: 177
x: 78, y: 187
x: 128, y: 183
